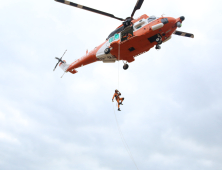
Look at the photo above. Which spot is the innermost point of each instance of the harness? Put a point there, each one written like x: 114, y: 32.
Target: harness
x: 117, y: 95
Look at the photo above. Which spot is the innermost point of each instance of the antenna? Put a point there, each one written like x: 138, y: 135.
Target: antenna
x: 63, y: 74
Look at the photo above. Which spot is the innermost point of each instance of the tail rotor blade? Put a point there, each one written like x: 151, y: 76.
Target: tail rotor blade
x: 59, y: 60
x: 183, y: 34
x: 55, y: 66
x: 63, y: 55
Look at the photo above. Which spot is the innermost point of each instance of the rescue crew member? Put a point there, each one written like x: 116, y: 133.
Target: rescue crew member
x: 119, y: 100
x: 127, y: 35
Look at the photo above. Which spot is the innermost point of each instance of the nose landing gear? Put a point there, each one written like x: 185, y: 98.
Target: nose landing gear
x: 158, y: 47
x: 125, y: 66
x: 159, y: 41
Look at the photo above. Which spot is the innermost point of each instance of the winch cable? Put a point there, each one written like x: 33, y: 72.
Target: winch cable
x: 118, y: 59
x: 123, y: 140
x: 120, y: 132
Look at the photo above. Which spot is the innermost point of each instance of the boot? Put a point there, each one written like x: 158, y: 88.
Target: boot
x: 119, y: 109
x: 121, y: 103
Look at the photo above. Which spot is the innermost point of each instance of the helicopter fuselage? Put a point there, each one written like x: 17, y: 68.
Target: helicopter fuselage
x: 127, y: 43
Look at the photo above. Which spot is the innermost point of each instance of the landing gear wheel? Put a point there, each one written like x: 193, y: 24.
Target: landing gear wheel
x: 125, y: 66
x: 159, y: 40
x: 107, y: 51
x: 158, y: 47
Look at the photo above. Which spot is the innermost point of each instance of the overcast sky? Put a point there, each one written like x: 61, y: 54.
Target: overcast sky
x: 172, y: 113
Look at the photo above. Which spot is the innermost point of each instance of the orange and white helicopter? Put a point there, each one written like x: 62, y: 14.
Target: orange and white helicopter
x: 132, y: 38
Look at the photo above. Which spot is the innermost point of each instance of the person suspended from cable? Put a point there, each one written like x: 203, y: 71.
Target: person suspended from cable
x: 119, y: 100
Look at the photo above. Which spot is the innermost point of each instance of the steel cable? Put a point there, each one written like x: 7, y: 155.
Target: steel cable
x: 124, y: 141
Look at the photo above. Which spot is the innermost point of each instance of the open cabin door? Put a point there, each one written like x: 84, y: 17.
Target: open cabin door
x: 127, y: 33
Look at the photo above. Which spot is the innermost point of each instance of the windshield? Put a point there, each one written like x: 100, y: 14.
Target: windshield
x: 115, y: 32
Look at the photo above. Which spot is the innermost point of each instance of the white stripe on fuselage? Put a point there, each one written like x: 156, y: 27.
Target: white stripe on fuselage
x: 105, y: 57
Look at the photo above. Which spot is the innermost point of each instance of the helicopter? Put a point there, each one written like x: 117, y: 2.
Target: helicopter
x: 131, y: 39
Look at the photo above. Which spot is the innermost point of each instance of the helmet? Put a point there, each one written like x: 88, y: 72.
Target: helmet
x: 116, y: 90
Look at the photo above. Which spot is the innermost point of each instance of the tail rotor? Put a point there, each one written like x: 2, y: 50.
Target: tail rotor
x: 59, y: 60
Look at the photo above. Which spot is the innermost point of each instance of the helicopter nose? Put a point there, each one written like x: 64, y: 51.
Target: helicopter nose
x: 179, y: 21
x: 182, y: 18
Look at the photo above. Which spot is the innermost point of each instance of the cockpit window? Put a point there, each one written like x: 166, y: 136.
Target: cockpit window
x: 115, y: 32
x: 115, y: 37
x: 111, y: 40
x: 151, y: 18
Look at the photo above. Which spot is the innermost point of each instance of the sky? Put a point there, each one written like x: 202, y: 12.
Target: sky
x: 171, y: 117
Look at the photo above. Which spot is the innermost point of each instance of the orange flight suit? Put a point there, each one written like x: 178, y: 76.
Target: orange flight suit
x: 127, y: 35
x: 118, y: 99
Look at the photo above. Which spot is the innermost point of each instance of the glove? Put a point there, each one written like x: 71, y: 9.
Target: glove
x: 112, y: 100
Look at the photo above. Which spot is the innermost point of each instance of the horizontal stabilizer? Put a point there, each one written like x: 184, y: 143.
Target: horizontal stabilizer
x: 73, y: 71
x: 183, y: 34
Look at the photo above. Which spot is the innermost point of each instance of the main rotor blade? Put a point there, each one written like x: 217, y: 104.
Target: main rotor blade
x: 183, y: 34
x: 138, y: 5
x: 88, y: 9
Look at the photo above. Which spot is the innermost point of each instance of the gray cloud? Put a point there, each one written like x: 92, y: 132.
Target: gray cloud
x: 171, y: 117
